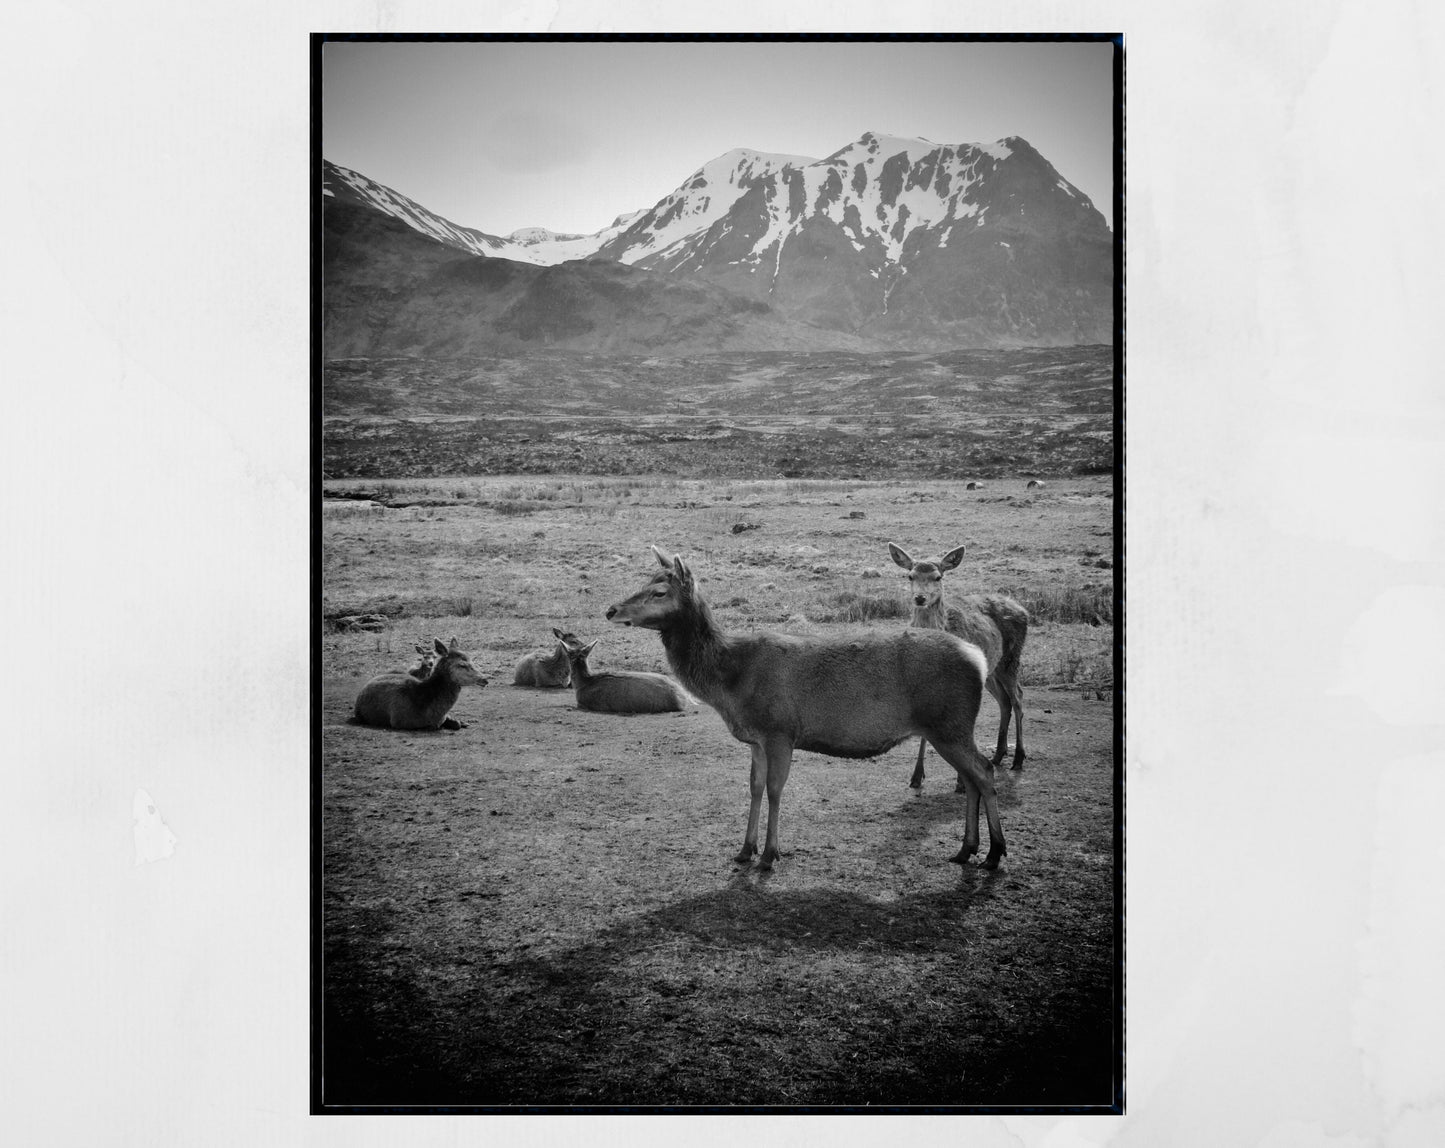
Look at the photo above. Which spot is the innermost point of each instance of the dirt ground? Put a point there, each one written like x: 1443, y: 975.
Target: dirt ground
x: 542, y: 909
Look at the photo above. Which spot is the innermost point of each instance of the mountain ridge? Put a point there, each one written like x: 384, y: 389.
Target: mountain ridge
x: 887, y: 242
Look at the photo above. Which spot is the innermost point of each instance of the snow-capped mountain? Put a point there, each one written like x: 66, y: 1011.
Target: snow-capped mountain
x: 894, y: 240
x: 344, y: 185
x: 526, y: 245
x: 832, y: 241
x: 704, y: 198
x: 880, y: 190
x: 390, y: 290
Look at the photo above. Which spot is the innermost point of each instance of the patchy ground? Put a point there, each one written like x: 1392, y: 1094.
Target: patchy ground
x: 541, y: 909
x: 954, y: 414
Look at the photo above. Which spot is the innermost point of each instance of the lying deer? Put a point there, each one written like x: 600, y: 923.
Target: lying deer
x: 855, y: 696
x: 428, y: 659
x: 547, y: 671
x: 997, y: 625
x: 396, y: 700
x: 622, y: 692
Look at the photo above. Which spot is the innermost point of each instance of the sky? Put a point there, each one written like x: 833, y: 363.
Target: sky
x: 503, y: 135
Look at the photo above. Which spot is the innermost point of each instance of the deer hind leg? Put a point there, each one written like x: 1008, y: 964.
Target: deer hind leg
x: 1005, y: 708
x: 976, y: 776
x: 916, y: 781
x: 1016, y: 692
x: 1010, y: 693
x: 780, y: 762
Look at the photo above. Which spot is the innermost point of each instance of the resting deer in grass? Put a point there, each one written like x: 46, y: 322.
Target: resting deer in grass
x: 622, y: 692
x: 547, y: 671
x: 396, y: 700
x: 428, y: 659
x: 996, y: 624
x: 855, y: 696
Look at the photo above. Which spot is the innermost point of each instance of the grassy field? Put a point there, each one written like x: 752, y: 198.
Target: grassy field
x: 541, y: 909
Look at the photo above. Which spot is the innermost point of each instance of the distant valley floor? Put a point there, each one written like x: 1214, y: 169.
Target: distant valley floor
x: 956, y: 414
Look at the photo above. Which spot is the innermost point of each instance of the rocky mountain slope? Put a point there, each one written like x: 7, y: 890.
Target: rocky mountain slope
x: 387, y: 289
x: 887, y: 243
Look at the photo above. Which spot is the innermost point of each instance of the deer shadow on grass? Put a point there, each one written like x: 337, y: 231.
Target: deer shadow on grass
x: 567, y: 1027
x: 747, y: 914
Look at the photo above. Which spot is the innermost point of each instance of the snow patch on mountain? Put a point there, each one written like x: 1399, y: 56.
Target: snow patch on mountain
x: 881, y: 190
x: 535, y: 245
x: 898, y: 185
x: 532, y: 236
x: 705, y: 197
x: 338, y: 179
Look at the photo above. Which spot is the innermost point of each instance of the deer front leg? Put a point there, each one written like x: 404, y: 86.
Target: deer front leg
x: 916, y: 781
x: 780, y: 762
x: 757, y: 782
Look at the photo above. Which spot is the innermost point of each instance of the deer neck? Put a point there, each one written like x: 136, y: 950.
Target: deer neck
x: 933, y: 617
x: 439, y: 685
x: 694, y: 645
x: 581, y: 674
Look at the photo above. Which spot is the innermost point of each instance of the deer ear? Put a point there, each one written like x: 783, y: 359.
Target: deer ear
x: 684, y: 575
x: 455, y: 645
x: 556, y: 633
x: 900, y: 556
x: 951, y: 559
x: 662, y: 558
x: 589, y: 647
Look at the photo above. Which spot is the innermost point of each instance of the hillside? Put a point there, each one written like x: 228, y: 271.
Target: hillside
x: 390, y: 290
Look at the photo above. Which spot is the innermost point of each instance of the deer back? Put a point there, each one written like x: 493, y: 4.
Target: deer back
x: 629, y: 693
x: 851, y: 696
x: 547, y: 670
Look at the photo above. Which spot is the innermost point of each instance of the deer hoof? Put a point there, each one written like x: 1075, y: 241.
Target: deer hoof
x: 916, y: 783
x: 745, y: 854
x: 994, y: 853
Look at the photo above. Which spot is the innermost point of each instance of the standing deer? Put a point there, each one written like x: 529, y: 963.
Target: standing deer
x: 396, y: 700
x: 996, y: 624
x: 620, y: 691
x: 547, y: 671
x: 856, y: 696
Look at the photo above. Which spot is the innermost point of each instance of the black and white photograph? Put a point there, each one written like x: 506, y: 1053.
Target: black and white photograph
x: 805, y: 575
x: 721, y: 628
